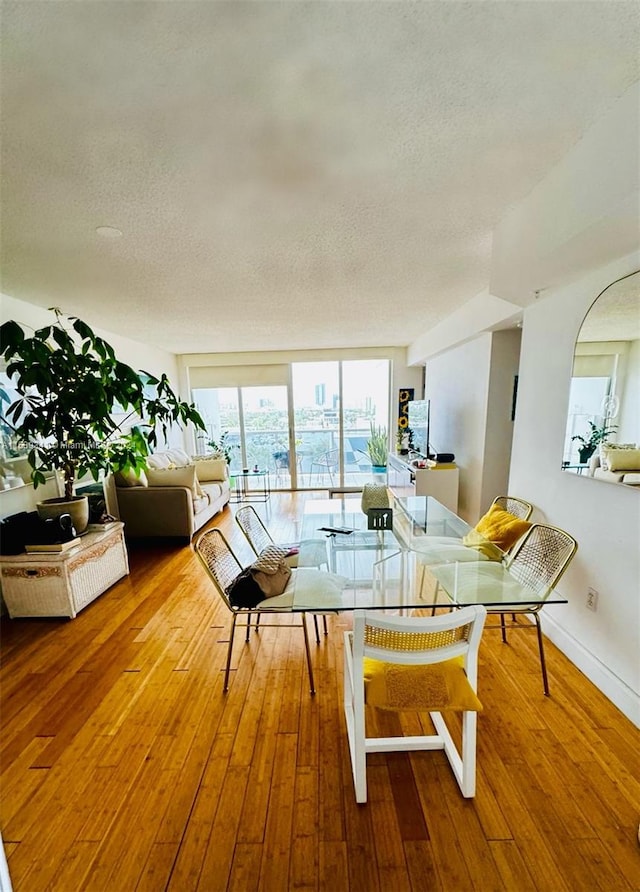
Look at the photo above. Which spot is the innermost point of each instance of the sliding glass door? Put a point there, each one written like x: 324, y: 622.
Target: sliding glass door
x: 335, y: 407
x: 312, y: 434
x: 255, y: 424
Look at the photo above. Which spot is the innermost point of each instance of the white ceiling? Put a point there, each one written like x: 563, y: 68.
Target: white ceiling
x: 285, y: 175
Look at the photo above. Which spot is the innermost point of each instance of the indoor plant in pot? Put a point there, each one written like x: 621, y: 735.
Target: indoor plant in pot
x: 593, y: 439
x: 378, y: 447
x: 75, y: 396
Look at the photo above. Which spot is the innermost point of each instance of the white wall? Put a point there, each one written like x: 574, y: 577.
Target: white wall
x: 604, y: 518
x: 629, y: 413
x: 471, y: 388
x: 504, y: 366
x: 457, y: 383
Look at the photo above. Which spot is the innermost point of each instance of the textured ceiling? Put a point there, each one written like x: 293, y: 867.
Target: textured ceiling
x: 285, y: 175
x: 615, y: 314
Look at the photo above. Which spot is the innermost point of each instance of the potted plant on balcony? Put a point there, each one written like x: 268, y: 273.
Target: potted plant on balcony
x: 75, y: 396
x: 378, y: 447
x: 593, y: 439
x: 222, y: 447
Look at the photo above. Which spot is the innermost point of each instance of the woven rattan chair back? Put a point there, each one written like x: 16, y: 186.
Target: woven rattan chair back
x: 257, y: 535
x: 222, y: 567
x: 538, y: 561
x: 219, y: 560
x: 423, y: 646
x: 541, y: 557
x: 518, y: 507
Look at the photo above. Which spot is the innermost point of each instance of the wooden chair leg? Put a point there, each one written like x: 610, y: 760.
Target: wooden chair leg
x: 324, y: 623
x: 315, y: 625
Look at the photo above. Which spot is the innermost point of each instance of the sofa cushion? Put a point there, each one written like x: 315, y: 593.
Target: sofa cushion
x: 178, y: 457
x: 175, y: 477
x: 201, y: 503
x: 213, y: 490
x: 158, y: 460
x: 208, y: 468
x: 130, y: 478
x: 620, y: 459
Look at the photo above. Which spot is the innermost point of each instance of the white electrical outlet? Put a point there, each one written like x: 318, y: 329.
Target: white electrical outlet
x: 592, y: 599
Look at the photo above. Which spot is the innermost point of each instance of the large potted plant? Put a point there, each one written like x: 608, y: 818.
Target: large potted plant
x: 75, y: 400
x: 593, y: 439
x: 378, y: 447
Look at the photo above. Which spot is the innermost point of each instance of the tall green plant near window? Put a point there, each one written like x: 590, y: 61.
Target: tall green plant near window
x: 378, y: 446
x: 71, y: 387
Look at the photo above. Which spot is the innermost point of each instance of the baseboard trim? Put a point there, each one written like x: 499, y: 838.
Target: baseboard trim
x: 620, y: 694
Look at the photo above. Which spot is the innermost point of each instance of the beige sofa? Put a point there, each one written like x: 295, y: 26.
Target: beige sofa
x: 174, y: 497
x: 616, y: 463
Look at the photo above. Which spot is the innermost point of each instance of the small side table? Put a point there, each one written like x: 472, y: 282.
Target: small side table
x: 62, y: 583
x: 244, y: 492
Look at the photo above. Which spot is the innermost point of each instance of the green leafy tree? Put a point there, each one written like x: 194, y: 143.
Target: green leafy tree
x: 73, y: 392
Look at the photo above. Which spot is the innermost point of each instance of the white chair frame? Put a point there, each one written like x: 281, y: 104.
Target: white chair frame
x: 356, y: 647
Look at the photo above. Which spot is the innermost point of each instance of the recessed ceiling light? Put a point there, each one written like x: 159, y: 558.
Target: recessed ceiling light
x: 109, y: 232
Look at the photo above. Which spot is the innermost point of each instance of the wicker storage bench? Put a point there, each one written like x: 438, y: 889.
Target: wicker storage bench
x: 61, y: 584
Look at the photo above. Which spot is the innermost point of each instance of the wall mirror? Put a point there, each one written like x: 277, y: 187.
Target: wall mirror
x: 602, y: 438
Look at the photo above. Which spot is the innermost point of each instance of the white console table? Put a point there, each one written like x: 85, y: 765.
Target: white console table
x: 406, y: 480
x: 62, y: 583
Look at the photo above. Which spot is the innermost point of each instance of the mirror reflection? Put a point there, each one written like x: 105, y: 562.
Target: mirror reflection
x: 602, y: 438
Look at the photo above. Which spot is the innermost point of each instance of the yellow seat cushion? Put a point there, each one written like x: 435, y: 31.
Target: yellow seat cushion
x: 433, y: 687
x: 501, y: 528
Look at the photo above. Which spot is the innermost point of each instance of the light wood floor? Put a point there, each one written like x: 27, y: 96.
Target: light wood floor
x: 125, y: 767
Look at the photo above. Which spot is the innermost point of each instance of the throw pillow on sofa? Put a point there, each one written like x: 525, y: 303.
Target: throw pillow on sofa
x: 175, y: 477
x: 620, y: 459
x: 210, y: 469
x: 130, y: 478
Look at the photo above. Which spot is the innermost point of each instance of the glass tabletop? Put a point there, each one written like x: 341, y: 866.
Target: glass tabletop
x: 379, y: 569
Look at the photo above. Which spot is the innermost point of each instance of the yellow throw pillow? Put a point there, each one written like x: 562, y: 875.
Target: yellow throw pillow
x: 501, y: 528
x: 432, y: 687
x: 477, y: 541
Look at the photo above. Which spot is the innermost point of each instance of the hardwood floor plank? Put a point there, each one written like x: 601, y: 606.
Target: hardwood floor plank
x: 274, y: 868
x: 218, y: 857
x: 245, y: 869
x: 513, y: 871
x: 256, y: 803
x: 156, y: 870
x: 333, y: 869
x: 421, y: 868
x: 304, y: 850
x: 193, y: 846
x: 157, y: 780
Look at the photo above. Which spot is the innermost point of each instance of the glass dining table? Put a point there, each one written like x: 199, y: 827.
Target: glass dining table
x: 377, y: 569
